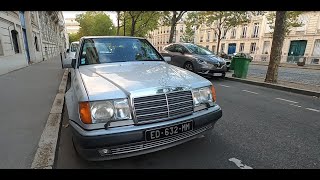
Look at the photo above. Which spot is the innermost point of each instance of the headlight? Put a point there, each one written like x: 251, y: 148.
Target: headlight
x: 202, y: 98
x: 104, y: 111
x: 122, y: 110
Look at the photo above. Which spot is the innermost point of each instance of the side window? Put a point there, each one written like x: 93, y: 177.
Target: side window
x: 170, y: 48
x: 181, y: 49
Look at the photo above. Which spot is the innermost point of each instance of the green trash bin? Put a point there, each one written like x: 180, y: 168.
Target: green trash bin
x: 241, y: 66
x: 232, y: 64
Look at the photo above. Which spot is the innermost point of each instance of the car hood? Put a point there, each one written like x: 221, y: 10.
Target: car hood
x: 210, y: 58
x: 115, y: 80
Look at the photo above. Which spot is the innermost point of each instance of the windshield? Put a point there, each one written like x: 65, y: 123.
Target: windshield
x: 74, y: 47
x: 195, y: 49
x: 109, y: 50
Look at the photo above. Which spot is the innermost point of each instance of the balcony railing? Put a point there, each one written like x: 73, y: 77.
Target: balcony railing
x: 254, y: 36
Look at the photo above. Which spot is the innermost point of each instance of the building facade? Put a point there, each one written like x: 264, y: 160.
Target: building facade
x: 27, y: 37
x: 255, y: 37
x: 160, y: 36
x: 72, y: 26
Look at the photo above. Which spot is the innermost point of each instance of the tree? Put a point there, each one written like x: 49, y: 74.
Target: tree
x: 222, y: 21
x: 188, y: 35
x: 95, y: 23
x: 292, y: 20
x: 73, y: 37
x: 171, y: 18
x: 276, y: 48
x: 138, y: 23
x: 118, y: 22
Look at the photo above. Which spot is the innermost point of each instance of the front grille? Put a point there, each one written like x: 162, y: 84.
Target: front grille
x: 163, y: 106
x: 157, y: 143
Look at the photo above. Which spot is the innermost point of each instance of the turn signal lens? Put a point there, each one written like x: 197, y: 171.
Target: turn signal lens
x: 214, y: 96
x: 85, y: 114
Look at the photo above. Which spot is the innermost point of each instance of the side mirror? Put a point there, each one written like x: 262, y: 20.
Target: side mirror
x: 73, y: 63
x: 68, y: 50
x: 167, y: 58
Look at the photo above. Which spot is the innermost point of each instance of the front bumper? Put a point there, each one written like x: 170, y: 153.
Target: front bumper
x: 127, y: 143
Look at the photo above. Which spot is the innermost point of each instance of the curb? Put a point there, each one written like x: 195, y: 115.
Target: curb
x: 274, y: 86
x: 45, y: 154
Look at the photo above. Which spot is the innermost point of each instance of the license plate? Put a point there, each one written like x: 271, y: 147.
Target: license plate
x: 168, y: 131
x: 217, y: 74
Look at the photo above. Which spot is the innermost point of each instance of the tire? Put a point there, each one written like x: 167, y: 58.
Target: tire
x: 188, y: 66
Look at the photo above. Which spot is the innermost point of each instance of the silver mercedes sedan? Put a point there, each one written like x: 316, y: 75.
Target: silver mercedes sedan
x: 126, y: 100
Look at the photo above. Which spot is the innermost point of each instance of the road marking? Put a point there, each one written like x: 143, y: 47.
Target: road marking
x: 239, y: 163
x: 224, y: 85
x: 250, y: 92
x: 313, y: 109
x: 295, y: 105
x: 286, y: 100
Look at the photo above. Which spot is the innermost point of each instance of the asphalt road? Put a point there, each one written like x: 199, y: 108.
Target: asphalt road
x: 260, y: 128
x: 298, y: 75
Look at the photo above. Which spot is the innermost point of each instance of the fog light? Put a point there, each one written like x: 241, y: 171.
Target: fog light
x: 104, y: 152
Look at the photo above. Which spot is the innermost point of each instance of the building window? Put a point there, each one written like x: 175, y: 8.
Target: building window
x: 208, y: 36
x: 266, y: 47
x: 233, y: 33
x: 207, y: 46
x: 36, y: 43
x: 213, y: 48
x: 224, y: 33
x: 181, y: 29
x: 201, y: 39
x: 241, y: 47
x: 14, y: 35
x: 244, y: 31
x: 255, y: 30
x: 252, y: 48
x: 1, y: 49
x: 222, y: 47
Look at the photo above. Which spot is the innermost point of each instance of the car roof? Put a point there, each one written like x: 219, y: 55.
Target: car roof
x: 75, y: 42
x: 120, y: 37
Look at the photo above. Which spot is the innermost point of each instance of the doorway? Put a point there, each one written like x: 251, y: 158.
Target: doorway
x: 232, y: 48
x: 296, y: 50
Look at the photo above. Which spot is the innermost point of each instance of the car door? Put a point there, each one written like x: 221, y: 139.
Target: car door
x: 180, y: 55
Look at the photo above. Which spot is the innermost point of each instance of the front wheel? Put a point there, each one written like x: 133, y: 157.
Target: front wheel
x: 188, y: 66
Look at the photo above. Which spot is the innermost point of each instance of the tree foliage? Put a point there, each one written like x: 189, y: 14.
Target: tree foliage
x: 95, y: 23
x: 138, y: 23
x: 219, y: 21
x: 73, y: 37
x: 188, y: 35
x: 292, y: 20
x: 171, y: 18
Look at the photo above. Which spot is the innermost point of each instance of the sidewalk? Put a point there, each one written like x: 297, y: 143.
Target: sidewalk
x: 288, y: 65
x: 285, y: 85
x: 26, y: 98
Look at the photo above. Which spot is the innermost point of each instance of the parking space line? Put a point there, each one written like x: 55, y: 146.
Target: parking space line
x: 286, y: 100
x: 313, y: 109
x: 295, y: 105
x: 250, y: 92
x: 239, y: 163
x: 224, y: 85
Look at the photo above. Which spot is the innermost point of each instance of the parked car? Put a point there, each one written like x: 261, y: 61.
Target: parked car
x: 195, y: 58
x: 226, y: 58
x: 126, y: 100
x: 71, y: 52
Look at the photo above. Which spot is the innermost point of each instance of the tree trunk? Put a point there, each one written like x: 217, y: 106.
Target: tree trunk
x: 118, y: 23
x: 124, y: 23
x: 173, y: 25
x: 276, y: 48
x: 219, y: 40
x: 133, y: 24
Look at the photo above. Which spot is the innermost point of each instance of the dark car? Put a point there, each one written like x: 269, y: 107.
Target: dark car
x: 195, y: 58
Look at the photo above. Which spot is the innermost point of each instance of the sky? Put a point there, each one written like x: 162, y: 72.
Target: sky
x: 72, y: 14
